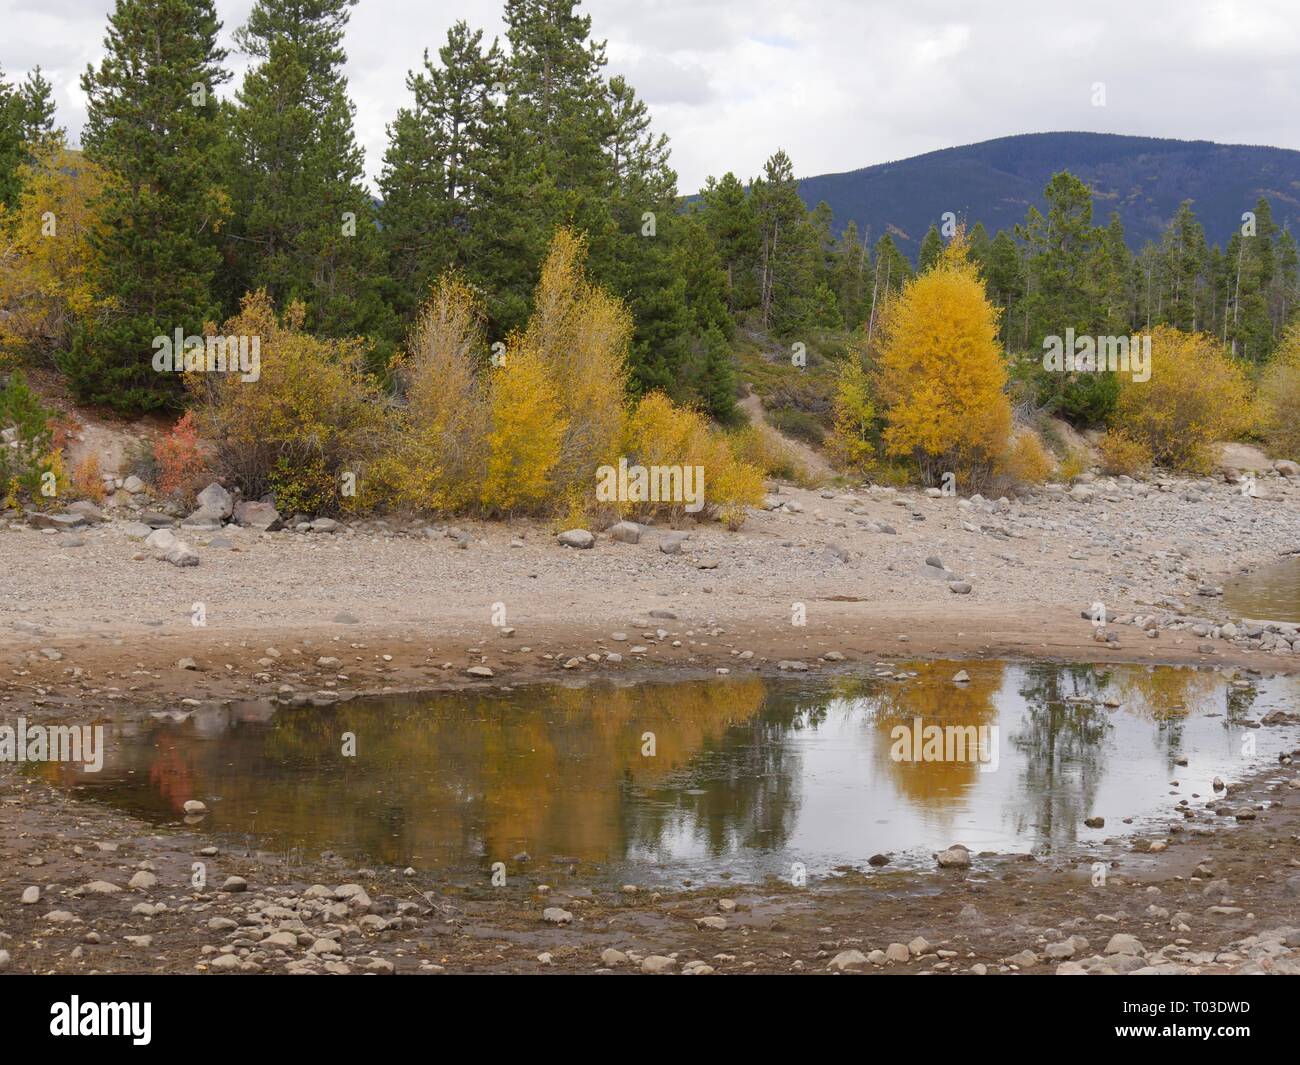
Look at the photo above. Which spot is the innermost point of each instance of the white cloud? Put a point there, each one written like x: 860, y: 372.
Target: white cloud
x: 838, y: 83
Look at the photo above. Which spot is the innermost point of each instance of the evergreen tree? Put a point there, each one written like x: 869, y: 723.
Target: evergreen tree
x: 152, y: 125
x: 730, y: 219
x: 716, y: 381
x: 306, y: 222
x: 892, y: 271
x: 434, y: 176
x: 851, y: 277
x: 26, y: 119
x: 931, y: 249
x: 788, y: 249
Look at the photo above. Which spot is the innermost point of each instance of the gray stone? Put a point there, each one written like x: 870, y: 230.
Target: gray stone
x: 217, y: 500
x: 168, y: 548
x: 625, y: 532
x: 848, y: 961
x: 1123, y: 943
x: 261, y: 516
x: 671, y: 543
x: 580, y: 539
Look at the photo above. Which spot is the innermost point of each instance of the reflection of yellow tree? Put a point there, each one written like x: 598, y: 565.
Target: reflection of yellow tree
x: 1165, y: 692
x: 593, y: 737
x: 438, y: 777
x: 935, y: 700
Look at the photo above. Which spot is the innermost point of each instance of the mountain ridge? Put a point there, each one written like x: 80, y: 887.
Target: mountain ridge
x: 995, y: 182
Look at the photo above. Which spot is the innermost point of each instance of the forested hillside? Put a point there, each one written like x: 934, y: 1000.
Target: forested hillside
x: 1144, y: 179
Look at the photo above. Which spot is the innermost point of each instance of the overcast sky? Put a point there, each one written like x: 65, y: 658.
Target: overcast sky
x: 839, y: 84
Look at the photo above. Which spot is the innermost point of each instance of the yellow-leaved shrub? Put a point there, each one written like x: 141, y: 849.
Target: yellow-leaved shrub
x: 1279, y: 399
x: 854, y: 410
x: 1197, y: 396
x: 527, y: 434
x: 314, y: 416
x: 437, y: 459
x: 660, y: 433
x: 583, y: 335
x: 1122, y: 454
x: 45, y: 282
x: 1027, y: 461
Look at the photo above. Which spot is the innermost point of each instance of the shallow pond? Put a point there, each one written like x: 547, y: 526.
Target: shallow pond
x: 702, y: 779
x: 1270, y: 593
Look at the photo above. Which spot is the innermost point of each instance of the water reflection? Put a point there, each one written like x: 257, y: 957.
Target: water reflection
x: 1271, y: 593
x: 696, y: 778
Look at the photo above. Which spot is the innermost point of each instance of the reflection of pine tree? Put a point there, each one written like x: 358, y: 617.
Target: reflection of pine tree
x: 742, y: 790
x: 1063, y: 750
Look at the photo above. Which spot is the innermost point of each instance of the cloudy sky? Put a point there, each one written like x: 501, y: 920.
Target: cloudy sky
x: 838, y: 83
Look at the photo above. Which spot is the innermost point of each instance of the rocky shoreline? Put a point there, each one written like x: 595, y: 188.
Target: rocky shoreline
x: 88, y: 889
x: 94, y: 625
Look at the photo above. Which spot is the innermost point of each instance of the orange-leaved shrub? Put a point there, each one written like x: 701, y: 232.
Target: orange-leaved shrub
x: 88, y: 479
x: 182, y: 464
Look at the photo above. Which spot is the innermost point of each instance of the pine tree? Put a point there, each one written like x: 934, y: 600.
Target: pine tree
x: 851, y: 277
x: 716, y: 382
x: 931, y: 249
x: 635, y: 256
x: 306, y: 222
x: 892, y: 271
x: 730, y: 219
x: 435, y: 169
x: 26, y: 120
x: 787, y: 248
x: 152, y: 126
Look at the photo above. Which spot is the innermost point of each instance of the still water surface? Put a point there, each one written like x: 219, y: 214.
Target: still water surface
x: 747, y: 775
x: 1271, y: 593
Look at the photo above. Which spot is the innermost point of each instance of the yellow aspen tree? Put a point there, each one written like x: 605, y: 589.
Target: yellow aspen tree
x: 942, y: 374
x: 528, y: 427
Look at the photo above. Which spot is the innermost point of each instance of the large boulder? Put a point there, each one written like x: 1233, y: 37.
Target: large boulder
x: 205, y: 518
x: 578, y: 538
x: 625, y: 532
x: 87, y: 510
x: 38, y: 520
x: 1287, y: 468
x: 216, y: 499
x: 166, y: 546
x: 261, y: 516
